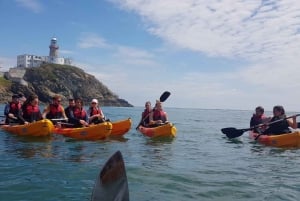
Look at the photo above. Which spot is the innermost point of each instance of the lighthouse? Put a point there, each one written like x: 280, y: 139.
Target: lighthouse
x: 53, y: 54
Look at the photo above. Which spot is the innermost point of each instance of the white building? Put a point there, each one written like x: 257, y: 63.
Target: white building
x: 26, y: 60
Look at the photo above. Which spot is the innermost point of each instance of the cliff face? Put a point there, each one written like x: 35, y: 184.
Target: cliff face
x: 67, y: 81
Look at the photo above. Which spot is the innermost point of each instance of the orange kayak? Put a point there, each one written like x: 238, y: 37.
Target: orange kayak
x: 92, y: 132
x: 165, y: 130
x: 39, y: 128
x: 121, y: 127
x: 282, y: 140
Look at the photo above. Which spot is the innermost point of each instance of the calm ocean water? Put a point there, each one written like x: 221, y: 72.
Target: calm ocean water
x: 199, y: 164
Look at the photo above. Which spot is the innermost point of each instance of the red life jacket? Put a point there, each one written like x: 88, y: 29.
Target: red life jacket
x: 31, y: 113
x: 146, y: 113
x: 79, y: 113
x: 55, y: 111
x: 95, y: 111
x: 14, y: 107
x: 159, y: 115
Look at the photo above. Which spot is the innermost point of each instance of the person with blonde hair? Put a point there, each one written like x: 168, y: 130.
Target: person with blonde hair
x: 158, y: 116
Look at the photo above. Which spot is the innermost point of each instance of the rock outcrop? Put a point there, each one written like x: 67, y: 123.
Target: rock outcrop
x: 67, y: 81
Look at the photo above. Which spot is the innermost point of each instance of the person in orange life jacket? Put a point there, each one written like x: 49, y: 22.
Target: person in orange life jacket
x: 95, y: 113
x: 78, y: 116
x: 13, y: 111
x: 258, y: 118
x: 54, y: 110
x: 158, y: 116
x: 31, y: 110
x: 145, y: 119
x: 280, y: 127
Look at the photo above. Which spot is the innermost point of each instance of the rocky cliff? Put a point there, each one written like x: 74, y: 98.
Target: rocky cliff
x: 67, y: 81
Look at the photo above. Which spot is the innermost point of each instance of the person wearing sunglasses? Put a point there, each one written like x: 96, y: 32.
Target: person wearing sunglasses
x: 55, y: 110
x: 95, y: 113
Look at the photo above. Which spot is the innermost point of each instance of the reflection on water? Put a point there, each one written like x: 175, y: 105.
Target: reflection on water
x: 28, y: 147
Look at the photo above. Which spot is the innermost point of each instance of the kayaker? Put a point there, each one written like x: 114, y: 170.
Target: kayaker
x: 78, y: 116
x: 13, y: 111
x: 22, y: 98
x: 280, y: 127
x: 258, y: 118
x: 158, y: 116
x: 31, y: 110
x: 70, y: 107
x: 95, y: 114
x: 55, y: 110
x: 145, y: 120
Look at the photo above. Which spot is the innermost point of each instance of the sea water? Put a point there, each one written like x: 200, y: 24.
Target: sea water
x: 199, y: 164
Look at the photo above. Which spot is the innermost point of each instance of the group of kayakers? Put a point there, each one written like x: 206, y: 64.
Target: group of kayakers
x: 21, y: 110
x: 275, y: 125
x: 152, y: 117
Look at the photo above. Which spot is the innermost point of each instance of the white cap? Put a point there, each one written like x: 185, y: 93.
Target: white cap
x: 94, y: 101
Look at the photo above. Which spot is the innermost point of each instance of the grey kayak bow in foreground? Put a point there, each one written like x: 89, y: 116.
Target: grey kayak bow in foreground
x: 111, y: 183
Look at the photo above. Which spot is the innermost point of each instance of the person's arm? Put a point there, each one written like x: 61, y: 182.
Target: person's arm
x: 63, y: 113
x: 45, y: 112
x: 166, y: 115
x: 293, y: 122
x: 6, y: 109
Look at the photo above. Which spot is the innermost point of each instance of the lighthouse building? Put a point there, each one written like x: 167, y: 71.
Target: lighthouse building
x: 27, y: 60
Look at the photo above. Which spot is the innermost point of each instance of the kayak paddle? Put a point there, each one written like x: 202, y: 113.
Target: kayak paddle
x: 164, y: 96
x: 232, y: 132
x: 111, y: 183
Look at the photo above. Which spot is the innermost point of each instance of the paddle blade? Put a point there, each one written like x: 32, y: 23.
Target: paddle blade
x: 164, y: 96
x: 232, y: 132
x: 111, y: 183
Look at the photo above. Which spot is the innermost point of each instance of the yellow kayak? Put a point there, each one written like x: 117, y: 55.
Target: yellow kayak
x: 121, y: 127
x: 39, y: 128
x: 282, y: 140
x: 92, y: 132
x: 165, y: 130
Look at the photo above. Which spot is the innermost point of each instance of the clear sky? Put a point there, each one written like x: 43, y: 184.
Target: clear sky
x: 211, y: 54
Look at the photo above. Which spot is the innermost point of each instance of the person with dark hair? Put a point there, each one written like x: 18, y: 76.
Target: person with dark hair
x: 258, y: 118
x: 78, y: 116
x: 70, y: 107
x: 13, y: 111
x: 280, y: 127
x: 31, y: 110
x: 145, y: 119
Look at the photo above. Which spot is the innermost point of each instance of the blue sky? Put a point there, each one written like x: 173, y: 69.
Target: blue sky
x: 217, y: 54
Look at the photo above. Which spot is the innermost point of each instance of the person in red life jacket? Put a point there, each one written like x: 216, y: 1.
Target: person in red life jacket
x: 158, y: 116
x: 55, y: 110
x: 13, y: 111
x: 95, y: 113
x: 283, y: 126
x: 258, y: 118
x: 31, y: 110
x: 145, y: 119
x: 78, y: 116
